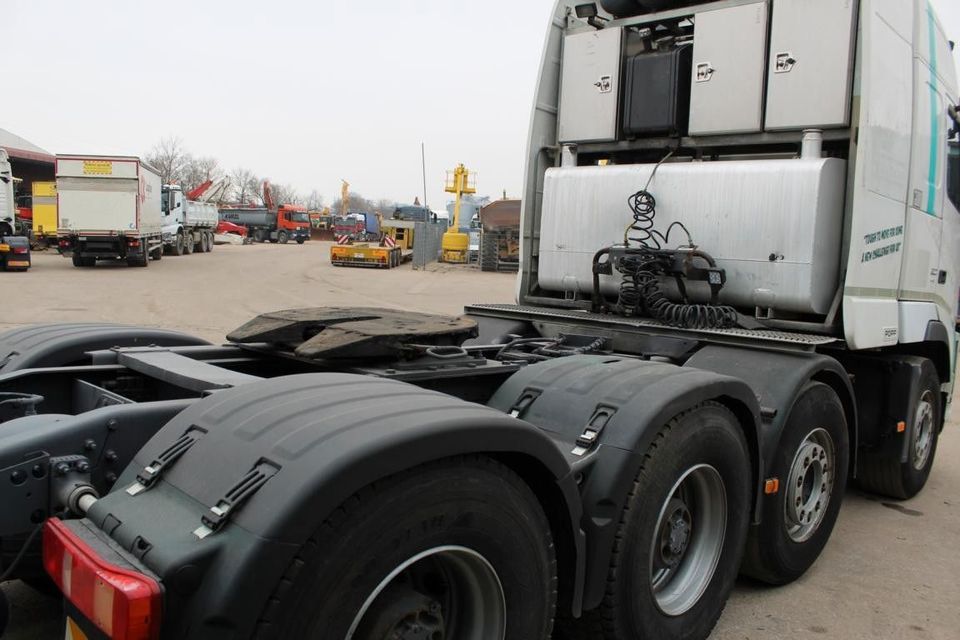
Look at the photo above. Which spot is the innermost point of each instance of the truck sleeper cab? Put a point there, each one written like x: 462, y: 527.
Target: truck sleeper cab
x: 680, y: 395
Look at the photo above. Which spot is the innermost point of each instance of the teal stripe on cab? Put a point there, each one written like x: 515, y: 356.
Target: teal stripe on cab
x: 934, y: 116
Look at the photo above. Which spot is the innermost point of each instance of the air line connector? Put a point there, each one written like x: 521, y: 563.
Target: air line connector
x: 70, y: 486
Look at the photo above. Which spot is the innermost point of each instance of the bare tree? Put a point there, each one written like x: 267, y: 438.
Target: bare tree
x: 246, y: 186
x: 385, y: 207
x: 284, y: 194
x: 314, y: 201
x: 199, y: 170
x: 170, y: 159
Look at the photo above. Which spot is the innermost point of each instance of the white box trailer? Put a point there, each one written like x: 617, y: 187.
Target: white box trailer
x: 109, y: 208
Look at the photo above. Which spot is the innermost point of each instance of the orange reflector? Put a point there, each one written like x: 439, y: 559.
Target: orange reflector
x: 771, y: 486
x: 901, y: 426
x: 124, y: 604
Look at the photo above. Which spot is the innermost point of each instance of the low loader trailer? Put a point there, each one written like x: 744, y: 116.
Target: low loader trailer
x: 395, y: 248
x: 737, y: 294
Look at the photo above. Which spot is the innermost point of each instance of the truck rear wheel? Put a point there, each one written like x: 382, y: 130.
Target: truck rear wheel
x: 681, y: 534
x: 139, y: 260
x: 883, y: 472
x: 489, y: 251
x: 210, y: 241
x: 811, y: 465
x: 457, y: 549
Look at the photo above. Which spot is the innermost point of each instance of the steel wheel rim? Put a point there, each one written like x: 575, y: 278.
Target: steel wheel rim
x: 809, y: 485
x: 480, y: 609
x: 923, y: 431
x: 688, y: 540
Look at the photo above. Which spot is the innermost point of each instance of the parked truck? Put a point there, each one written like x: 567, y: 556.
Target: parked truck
x: 188, y: 225
x: 44, y: 207
x: 110, y: 209
x: 14, y: 246
x: 738, y: 285
x: 263, y: 225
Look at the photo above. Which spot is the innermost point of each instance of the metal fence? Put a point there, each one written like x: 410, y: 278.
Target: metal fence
x: 427, y: 239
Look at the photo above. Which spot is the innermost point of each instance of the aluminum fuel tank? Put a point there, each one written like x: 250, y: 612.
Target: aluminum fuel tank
x: 774, y: 225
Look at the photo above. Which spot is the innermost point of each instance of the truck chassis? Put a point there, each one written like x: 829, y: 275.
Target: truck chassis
x: 119, y: 437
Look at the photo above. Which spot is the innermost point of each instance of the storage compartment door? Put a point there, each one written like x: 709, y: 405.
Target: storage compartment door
x: 811, y: 64
x: 729, y: 65
x: 590, y: 86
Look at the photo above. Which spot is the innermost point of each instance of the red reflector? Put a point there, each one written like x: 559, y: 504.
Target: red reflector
x: 122, y: 603
x: 133, y: 242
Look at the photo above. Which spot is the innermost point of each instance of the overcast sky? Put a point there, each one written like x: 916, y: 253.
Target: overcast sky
x: 304, y: 92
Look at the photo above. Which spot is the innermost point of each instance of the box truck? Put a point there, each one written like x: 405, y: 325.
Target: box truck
x: 109, y: 208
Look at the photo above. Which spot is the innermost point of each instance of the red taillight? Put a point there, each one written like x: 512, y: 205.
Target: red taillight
x: 64, y: 243
x: 133, y: 242
x: 21, y: 250
x: 124, y: 604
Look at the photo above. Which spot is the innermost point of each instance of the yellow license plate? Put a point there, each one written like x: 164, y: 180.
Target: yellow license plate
x: 73, y: 631
x: 17, y: 263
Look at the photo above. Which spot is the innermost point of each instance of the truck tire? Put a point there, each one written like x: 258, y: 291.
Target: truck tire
x: 139, y: 260
x: 210, y: 241
x: 258, y: 235
x: 682, y: 531
x: 489, y: 251
x: 884, y: 473
x: 188, y: 244
x: 179, y: 245
x: 301, y: 240
x: 283, y: 237
x: 372, y: 567
x: 811, y: 465
x: 157, y: 252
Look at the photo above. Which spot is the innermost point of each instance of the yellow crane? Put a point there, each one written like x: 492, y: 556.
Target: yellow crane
x: 344, y: 198
x: 456, y: 244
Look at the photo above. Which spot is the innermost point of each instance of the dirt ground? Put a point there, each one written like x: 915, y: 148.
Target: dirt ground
x: 891, y: 570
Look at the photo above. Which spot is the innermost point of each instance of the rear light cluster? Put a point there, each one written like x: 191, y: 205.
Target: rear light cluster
x: 133, y: 242
x: 64, y: 243
x: 124, y: 604
x: 21, y: 250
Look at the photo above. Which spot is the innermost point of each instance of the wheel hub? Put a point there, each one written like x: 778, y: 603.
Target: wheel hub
x: 923, y: 431
x: 675, y: 536
x: 809, y: 485
x: 444, y: 592
x: 688, y: 540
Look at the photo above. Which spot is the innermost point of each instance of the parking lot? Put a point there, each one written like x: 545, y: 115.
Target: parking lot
x: 891, y: 570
